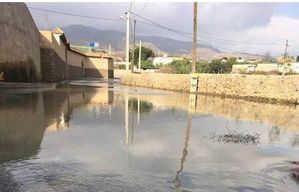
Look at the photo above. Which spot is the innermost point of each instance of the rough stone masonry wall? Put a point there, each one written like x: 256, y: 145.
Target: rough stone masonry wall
x: 269, y: 88
x: 52, y: 66
x: 19, y: 44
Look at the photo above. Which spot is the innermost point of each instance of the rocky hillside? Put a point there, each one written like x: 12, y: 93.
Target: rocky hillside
x: 79, y: 35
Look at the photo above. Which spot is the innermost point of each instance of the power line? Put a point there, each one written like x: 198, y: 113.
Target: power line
x: 242, y: 42
x: 75, y: 15
x: 185, y: 34
x: 155, y: 24
x: 130, y: 6
x: 142, y: 8
x: 161, y: 26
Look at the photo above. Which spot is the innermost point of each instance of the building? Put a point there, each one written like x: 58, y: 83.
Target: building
x: 164, y: 60
x: 266, y: 68
x: 60, y: 61
x: 240, y: 60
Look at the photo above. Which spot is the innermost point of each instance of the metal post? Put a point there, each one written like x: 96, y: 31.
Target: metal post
x: 109, y: 49
x: 139, y: 59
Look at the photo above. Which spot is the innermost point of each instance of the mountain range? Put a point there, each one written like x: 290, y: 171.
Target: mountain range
x: 81, y: 35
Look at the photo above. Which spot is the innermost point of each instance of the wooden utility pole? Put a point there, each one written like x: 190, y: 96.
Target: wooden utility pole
x: 285, y: 59
x: 286, y: 49
x: 128, y: 40
x: 133, y: 52
x: 194, y: 43
x: 139, y: 60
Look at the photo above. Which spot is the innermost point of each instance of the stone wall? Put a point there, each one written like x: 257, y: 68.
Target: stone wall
x: 53, y: 68
x: 19, y: 44
x: 163, y: 81
x: 266, y: 88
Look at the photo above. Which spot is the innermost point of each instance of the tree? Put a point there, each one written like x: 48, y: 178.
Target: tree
x: 202, y: 67
x: 145, y: 54
x: 215, y: 66
x: 180, y: 66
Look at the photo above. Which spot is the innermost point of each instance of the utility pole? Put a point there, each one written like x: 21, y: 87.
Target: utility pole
x: 139, y: 59
x: 194, y: 43
x: 286, y: 49
x: 128, y: 40
x: 46, y: 20
x: 133, y: 52
x: 285, y: 58
x: 109, y: 49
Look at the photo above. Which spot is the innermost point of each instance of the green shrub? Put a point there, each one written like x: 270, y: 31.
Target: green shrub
x: 180, y: 66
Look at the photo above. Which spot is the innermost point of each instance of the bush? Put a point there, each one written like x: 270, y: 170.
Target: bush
x: 147, y: 64
x: 180, y: 66
x: 215, y: 66
x: 120, y: 66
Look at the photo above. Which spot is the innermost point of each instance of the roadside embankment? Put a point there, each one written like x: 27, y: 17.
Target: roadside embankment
x: 263, y: 88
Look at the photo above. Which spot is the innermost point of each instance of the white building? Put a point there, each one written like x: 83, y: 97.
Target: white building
x: 240, y: 60
x: 295, y: 67
x: 164, y: 60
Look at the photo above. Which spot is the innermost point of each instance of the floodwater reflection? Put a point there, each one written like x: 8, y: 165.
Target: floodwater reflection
x: 115, y: 138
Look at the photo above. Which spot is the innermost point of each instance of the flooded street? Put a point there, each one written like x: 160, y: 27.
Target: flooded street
x: 115, y: 138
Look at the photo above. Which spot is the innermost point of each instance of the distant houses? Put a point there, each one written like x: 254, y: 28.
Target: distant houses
x: 164, y: 60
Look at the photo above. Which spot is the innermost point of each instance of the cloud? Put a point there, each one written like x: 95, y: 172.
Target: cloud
x: 226, y: 17
x: 277, y: 30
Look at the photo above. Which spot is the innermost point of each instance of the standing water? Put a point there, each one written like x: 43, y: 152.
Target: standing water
x: 116, y: 138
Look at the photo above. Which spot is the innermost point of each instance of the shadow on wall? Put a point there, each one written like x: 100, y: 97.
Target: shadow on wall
x: 18, y: 72
x: 60, y: 61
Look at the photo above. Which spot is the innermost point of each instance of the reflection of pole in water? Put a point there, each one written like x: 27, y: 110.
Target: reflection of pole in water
x: 127, y: 129
x: 126, y: 119
x: 138, y: 111
x: 110, y: 111
x: 177, y: 180
x: 131, y: 128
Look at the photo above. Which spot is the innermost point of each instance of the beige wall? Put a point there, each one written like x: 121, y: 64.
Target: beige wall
x: 100, y: 65
x: 50, y: 40
x: 45, y: 39
x: 19, y: 39
x: 263, y: 87
x: 75, y: 59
